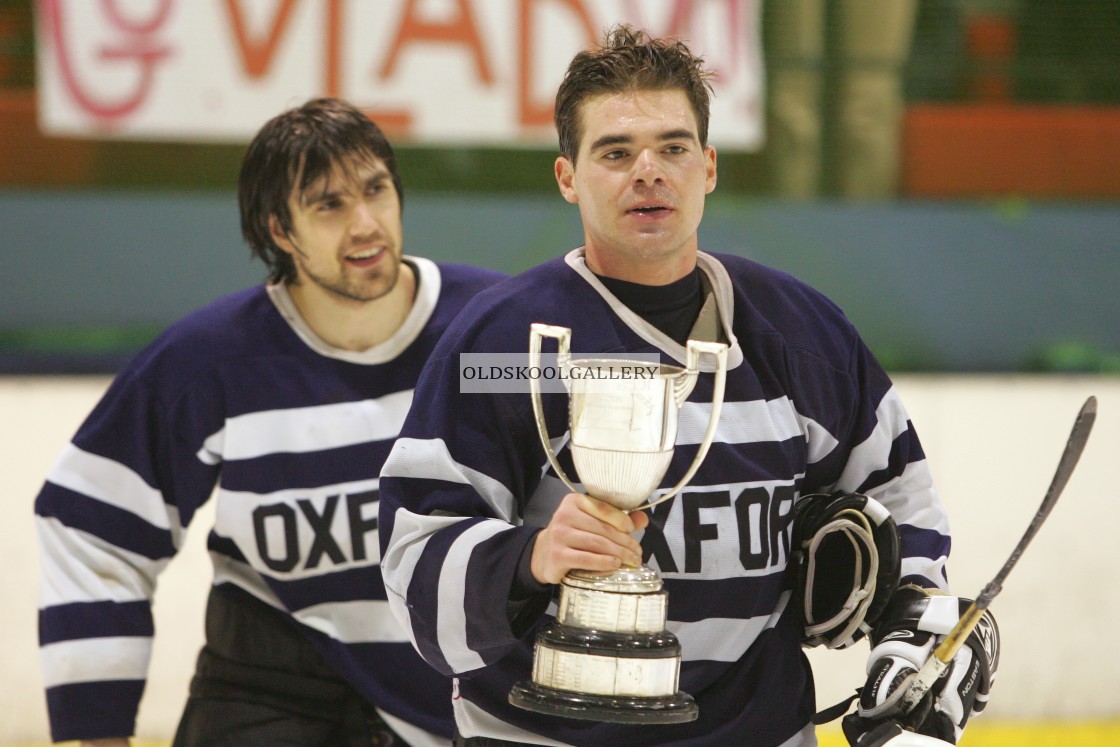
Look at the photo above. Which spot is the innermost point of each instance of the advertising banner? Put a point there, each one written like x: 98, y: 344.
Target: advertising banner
x: 438, y: 72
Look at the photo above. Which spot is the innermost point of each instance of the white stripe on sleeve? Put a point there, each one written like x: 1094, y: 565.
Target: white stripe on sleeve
x: 912, y: 499
x: 874, y: 453
x: 451, y: 625
x: 113, y: 483
x: 95, y: 660
x: 430, y: 459
x: 79, y: 567
x: 410, y: 536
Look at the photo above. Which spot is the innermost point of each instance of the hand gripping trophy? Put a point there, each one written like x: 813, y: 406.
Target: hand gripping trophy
x: 608, y: 657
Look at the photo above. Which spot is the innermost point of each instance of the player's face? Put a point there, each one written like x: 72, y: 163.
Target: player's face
x: 346, y: 232
x: 640, y: 181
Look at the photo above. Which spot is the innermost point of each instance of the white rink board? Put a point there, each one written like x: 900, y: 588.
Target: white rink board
x: 993, y: 443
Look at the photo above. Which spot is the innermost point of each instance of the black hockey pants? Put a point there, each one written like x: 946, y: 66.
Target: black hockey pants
x: 258, y: 681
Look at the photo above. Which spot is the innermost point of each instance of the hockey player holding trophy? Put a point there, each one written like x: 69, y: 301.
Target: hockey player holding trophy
x: 811, y: 519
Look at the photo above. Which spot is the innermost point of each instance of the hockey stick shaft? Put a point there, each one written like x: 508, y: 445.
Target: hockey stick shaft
x: 943, y: 655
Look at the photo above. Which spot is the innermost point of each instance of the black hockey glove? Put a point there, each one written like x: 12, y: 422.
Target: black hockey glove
x: 845, y: 563
x: 915, y: 622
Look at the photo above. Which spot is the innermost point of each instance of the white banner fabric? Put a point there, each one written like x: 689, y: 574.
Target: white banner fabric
x: 431, y: 72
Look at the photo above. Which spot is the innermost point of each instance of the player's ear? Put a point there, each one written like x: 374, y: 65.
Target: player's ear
x: 710, y: 168
x: 279, y: 235
x: 565, y: 178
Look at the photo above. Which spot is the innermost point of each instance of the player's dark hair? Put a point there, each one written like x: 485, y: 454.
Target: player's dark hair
x: 304, y: 144
x: 630, y: 60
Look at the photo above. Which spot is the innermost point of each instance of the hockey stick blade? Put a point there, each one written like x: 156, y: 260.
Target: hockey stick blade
x: 943, y: 655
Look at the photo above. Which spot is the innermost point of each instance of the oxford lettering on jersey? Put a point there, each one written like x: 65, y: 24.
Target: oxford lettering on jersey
x: 762, y: 521
x: 337, y: 536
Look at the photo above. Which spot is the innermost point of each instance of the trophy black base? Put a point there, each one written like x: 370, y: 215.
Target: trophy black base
x: 667, y: 709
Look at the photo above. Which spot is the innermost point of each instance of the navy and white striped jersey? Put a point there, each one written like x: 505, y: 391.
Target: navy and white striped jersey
x: 807, y: 409
x: 243, y: 397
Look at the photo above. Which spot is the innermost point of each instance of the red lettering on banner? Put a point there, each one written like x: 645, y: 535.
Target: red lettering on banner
x: 460, y: 30
x: 333, y: 83
x: 257, y: 57
x: 138, y: 44
x: 536, y: 113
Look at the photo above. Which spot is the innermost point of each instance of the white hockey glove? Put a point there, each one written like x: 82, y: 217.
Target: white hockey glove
x: 915, y: 622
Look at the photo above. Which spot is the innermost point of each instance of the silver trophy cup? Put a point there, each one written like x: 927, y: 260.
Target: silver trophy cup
x: 608, y: 657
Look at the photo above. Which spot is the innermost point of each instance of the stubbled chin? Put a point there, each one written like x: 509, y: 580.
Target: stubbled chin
x: 651, y: 229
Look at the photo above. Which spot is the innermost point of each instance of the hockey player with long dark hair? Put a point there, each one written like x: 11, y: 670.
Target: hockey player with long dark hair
x: 282, y: 401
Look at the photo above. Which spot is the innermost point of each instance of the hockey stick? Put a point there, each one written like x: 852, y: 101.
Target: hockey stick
x: 943, y: 655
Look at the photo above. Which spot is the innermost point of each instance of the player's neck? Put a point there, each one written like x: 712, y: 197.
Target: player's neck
x: 355, y: 325
x: 644, y: 270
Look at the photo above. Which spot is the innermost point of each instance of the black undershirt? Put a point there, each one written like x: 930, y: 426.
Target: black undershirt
x: 671, y: 308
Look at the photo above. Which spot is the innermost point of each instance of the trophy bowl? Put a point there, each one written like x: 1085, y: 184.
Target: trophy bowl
x: 608, y: 656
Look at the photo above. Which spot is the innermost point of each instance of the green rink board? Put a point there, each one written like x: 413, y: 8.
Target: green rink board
x: 931, y: 285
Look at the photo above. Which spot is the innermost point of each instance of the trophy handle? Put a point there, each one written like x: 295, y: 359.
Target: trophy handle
x: 563, y: 337
x: 695, y: 349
